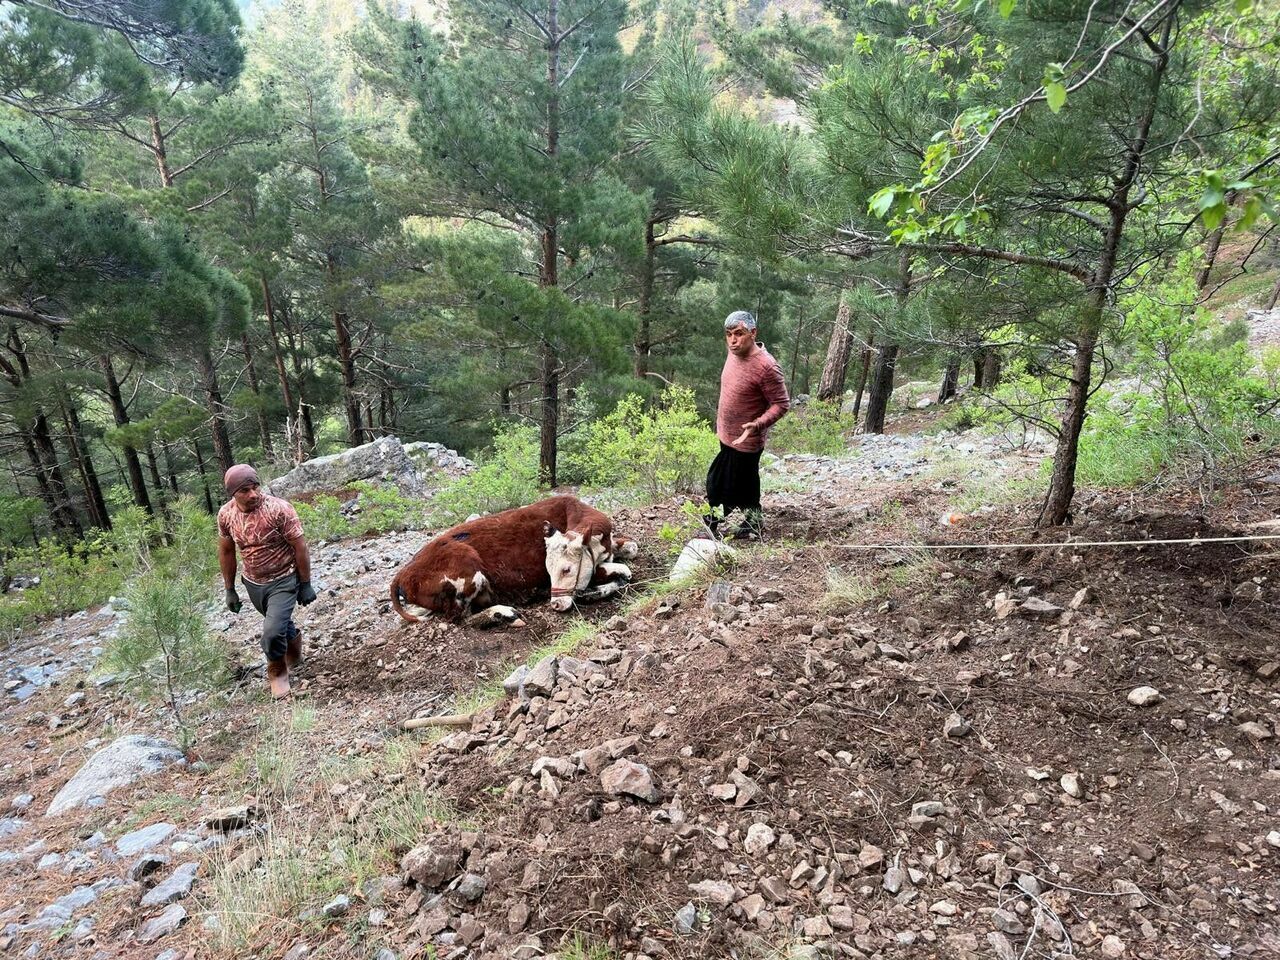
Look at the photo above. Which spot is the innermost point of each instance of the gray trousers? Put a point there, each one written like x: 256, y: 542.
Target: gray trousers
x: 275, y: 601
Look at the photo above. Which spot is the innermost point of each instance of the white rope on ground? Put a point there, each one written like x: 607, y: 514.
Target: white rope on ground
x: 1053, y: 545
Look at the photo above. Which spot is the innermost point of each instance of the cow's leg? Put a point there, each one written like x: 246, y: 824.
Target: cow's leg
x: 494, y: 616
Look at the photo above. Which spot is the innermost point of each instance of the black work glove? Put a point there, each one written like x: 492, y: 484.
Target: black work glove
x: 233, y: 600
x: 306, y: 596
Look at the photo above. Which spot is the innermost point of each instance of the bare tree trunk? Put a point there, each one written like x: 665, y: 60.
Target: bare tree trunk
x: 864, y: 370
x: 121, y: 416
x: 549, y: 268
x: 881, y: 389
x: 286, y: 392
x: 836, y: 367
x: 204, y: 476
x: 991, y: 366
x: 1274, y: 298
x: 64, y: 514
x: 264, y: 429
x: 950, y: 379
x: 217, y: 413
x: 1057, y: 503
x: 99, y: 516
x: 882, y: 381
x: 644, y: 333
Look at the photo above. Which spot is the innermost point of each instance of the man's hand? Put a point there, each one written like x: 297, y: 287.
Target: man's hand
x: 306, y: 596
x: 749, y: 430
x: 233, y: 600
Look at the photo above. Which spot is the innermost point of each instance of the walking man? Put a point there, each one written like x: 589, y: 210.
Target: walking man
x: 277, y: 567
x: 753, y: 397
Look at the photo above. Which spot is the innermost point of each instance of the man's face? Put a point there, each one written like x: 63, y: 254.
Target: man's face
x: 248, y: 497
x: 739, y: 339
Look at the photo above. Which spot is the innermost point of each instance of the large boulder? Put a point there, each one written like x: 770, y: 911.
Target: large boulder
x: 116, y: 765
x: 386, y: 460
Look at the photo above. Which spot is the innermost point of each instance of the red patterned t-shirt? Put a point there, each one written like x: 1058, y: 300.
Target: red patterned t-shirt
x: 262, y: 536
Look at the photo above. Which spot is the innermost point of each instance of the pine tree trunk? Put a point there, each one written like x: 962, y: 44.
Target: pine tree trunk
x: 347, y: 363
x: 950, y: 380
x: 64, y: 514
x: 264, y: 429
x: 991, y: 366
x: 882, y: 380
x: 213, y: 401
x: 99, y: 516
x: 121, y: 416
x: 1274, y: 298
x: 1062, y: 488
x: 549, y: 267
x: 277, y: 355
x: 547, y: 448
x: 153, y: 466
x: 864, y: 370
x: 835, y: 368
x: 42, y: 478
x: 171, y: 474
x: 204, y: 476
x: 881, y: 389
x: 644, y: 332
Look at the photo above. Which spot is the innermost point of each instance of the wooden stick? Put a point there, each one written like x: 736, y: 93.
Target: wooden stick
x: 444, y: 720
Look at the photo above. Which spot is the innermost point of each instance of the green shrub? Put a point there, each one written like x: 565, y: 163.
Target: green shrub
x: 506, y: 478
x: 819, y: 427
x: 383, y: 509
x: 323, y: 519
x: 659, y: 451
x: 164, y: 649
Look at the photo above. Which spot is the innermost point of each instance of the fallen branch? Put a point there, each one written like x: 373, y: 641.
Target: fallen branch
x: 444, y: 720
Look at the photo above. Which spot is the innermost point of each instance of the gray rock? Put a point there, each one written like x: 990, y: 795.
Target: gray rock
x: 1145, y: 696
x: 719, y: 892
x: 471, y: 887
x: 541, y: 680
x: 146, y: 865
x: 434, y: 863
x: 143, y: 839
x: 227, y: 819
x: 686, y: 920
x: 515, y: 681
x: 69, y: 903
x: 626, y: 777
x: 117, y: 765
x: 175, y: 887
x: 163, y: 925
x: 1001, y: 948
x: 383, y: 460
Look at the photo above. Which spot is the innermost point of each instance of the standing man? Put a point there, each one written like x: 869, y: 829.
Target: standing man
x: 753, y: 397
x: 277, y: 567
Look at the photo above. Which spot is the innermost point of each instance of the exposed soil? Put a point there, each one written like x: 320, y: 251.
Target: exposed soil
x: 1067, y: 821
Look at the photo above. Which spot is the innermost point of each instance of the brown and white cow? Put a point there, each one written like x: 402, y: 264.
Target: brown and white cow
x: 559, y: 542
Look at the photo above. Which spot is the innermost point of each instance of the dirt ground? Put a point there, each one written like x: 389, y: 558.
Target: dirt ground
x: 816, y: 679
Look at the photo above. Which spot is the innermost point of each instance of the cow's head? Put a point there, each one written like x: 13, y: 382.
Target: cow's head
x: 571, y: 562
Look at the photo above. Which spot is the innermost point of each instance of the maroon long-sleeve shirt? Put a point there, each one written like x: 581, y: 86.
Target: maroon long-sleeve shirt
x: 751, y: 391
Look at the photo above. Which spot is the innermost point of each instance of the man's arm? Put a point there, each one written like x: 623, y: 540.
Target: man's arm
x: 774, y: 390
x: 302, y: 558
x: 227, y: 561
